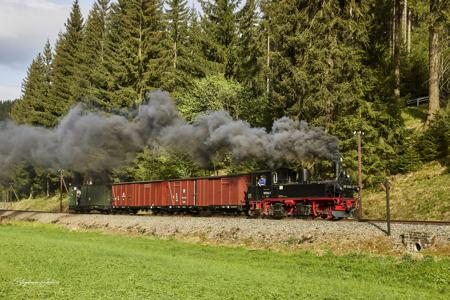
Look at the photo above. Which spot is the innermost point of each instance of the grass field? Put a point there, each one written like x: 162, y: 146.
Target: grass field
x: 45, y: 261
x: 420, y: 195
x: 40, y: 203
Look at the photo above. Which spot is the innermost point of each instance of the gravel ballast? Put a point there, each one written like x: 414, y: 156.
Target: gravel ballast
x: 340, y: 236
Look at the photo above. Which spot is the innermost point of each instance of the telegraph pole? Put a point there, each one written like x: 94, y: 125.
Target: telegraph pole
x: 61, y: 178
x: 387, y: 187
x: 360, y: 185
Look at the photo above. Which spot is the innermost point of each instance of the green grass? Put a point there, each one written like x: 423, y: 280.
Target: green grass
x: 419, y: 195
x: 45, y: 261
x: 41, y: 203
x: 415, y: 117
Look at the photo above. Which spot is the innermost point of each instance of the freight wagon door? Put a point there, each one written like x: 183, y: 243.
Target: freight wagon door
x: 225, y: 191
x: 153, y: 194
x: 118, y: 195
x: 181, y: 193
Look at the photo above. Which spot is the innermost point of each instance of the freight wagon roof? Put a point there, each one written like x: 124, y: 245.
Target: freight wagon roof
x: 188, y: 178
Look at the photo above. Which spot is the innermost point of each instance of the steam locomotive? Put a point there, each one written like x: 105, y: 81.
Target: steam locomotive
x: 273, y: 193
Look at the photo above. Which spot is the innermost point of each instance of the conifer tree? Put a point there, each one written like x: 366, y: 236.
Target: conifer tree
x: 66, y: 72
x: 176, y: 18
x: 198, y: 67
x: 317, y: 61
x: 47, y: 56
x: 93, y: 82
x: 32, y: 91
x: 220, y: 34
x: 34, y: 107
x: 134, y: 51
x: 249, y: 48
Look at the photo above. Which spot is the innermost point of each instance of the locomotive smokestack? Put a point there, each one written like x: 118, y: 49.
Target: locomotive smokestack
x: 304, y: 175
x: 338, y: 167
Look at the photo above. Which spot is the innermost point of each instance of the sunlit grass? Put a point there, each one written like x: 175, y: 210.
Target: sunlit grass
x: 419, y: 195
x: 44, y: 261
x: 41, y: 203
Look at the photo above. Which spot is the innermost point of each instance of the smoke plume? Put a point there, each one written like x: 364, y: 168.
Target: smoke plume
x: 94, y: 141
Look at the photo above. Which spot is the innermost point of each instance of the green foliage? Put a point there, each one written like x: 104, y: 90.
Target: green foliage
x: 249, y: 49
x: 415, y: 64
x: 65, y: 90
x: 29, y: 181
x: 5, y: 109
x: 220, y: 35
x: 155, y: 165
x: 317, y: 79
x: 408, y: 158
x: 92, y: 51
x: 34, y: 106
x: 215, y: 92
x: 434, y: 144
x: 134, y: 51
x: 184, y: 57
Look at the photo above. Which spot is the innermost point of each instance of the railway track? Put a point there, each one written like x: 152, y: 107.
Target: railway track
x: 417, y: 222
x: 414, y: 222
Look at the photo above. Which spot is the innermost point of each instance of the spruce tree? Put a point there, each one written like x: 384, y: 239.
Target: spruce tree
x: 66, y: 73
x: 177, y: 74
x: 219, y: 24
x: 198, y: 65
x: 249, y: 48
x: 317, y: 61
x: 134, y: 51
x: 34, y: 107
x: 47, y: 56
x: 93, y: 82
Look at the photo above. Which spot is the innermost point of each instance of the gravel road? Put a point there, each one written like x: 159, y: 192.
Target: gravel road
x: 340, y: 236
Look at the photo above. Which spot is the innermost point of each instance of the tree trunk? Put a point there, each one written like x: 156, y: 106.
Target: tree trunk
x: 175, y: 55
x: 404, y: 20
x: 434, y: 58
x: 408, y: 47
x: 268, y: 65
x: 397, y: 45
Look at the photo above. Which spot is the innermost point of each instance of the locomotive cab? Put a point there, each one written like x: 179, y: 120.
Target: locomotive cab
x: 259, y: 187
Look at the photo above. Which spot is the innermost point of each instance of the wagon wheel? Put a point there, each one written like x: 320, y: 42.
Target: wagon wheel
x: 330, y: 214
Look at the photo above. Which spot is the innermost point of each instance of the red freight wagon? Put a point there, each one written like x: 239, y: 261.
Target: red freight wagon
x: 222, y: 191
x: 122, y: 194
x: 181, y: 193
x: 137, y: 194
x: 193, y: 193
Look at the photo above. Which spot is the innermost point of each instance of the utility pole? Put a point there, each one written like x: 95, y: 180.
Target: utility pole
x: 61, y: 178
x: 360, y: 185
x: 268, y: 64
x: 387, y: 187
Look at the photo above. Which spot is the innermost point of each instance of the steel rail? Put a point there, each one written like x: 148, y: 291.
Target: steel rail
x: 416, y: 222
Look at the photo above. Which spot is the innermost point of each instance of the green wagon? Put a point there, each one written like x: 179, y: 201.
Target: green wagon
x: 90, y: 197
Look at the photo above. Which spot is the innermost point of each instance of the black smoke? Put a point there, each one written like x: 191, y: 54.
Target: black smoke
x: 87, y: 141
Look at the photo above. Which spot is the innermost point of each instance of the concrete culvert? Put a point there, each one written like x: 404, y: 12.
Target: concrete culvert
x: 418, y: 247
